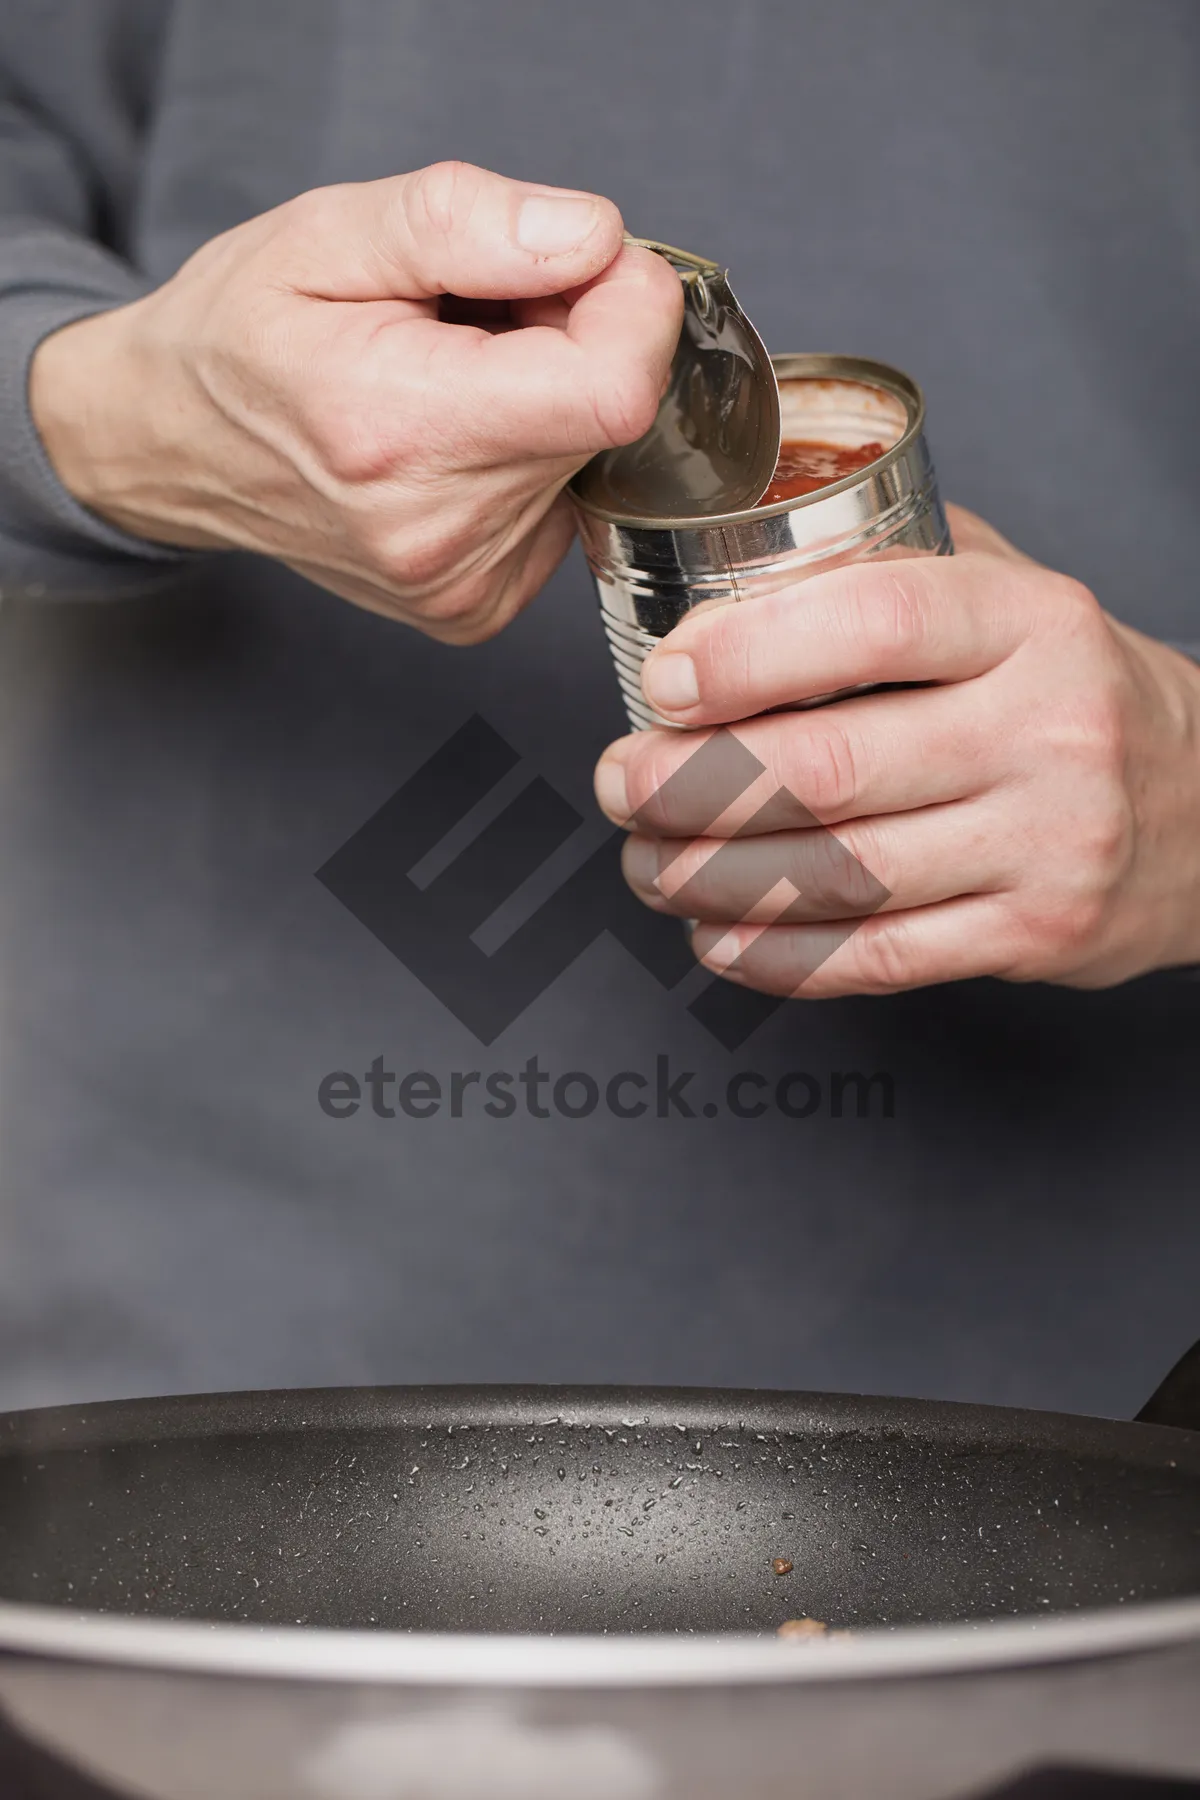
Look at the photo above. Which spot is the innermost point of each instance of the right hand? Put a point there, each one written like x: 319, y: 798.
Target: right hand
x: 298, y: 389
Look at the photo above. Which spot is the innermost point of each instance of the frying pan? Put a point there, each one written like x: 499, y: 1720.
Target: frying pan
x: 405, y: 1593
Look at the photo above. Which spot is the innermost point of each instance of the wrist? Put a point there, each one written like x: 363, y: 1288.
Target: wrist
x: 1175, y: 785
x: 70, y: 381
x: 87, y: 397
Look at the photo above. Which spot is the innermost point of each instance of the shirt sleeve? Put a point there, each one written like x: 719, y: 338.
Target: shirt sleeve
x: 55, y: 268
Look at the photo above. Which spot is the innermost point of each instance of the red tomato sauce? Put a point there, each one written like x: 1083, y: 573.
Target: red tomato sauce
x: 804, y: 466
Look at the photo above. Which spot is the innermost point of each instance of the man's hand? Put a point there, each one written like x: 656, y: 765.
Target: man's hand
x: 302, y: 388
x: 1034, y: 814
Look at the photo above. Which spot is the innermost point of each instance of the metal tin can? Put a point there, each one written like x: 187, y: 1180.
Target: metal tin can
x: 650, y: 573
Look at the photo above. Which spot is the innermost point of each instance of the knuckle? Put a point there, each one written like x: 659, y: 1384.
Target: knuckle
x: 345, y: 414
x: 1085, y: 920
x: 1105, y: 837
x: 1077, y: 606
x: 1105, y: 724
x: 420, y: 560
x: 437, y: 196
x: 832, y: 778
x: 884, y: 954
x: 1066, y: 916
x: 837, y: 879
x: 1061, y: 930
x: 1090, y: 726
x: 308, y: 234
x: 354, y: 453
x: 887, y: 608
x: 315, y: 212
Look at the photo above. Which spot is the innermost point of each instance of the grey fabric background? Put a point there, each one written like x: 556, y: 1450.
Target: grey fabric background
x: 1004, y: 200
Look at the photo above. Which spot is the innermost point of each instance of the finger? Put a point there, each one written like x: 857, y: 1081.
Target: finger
x: 956, y: 940
x: 544, y: 309
x: 450, y: 228
x: 799, y: 877
x: 921, y: 619
x: 884, y: 753
x: 970, y: 532
x: 550, y: 392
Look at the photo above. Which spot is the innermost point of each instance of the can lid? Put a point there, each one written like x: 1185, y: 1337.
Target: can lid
x: 714, y: 444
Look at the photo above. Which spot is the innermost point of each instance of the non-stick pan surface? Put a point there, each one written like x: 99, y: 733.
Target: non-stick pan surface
x: 589, y: 1510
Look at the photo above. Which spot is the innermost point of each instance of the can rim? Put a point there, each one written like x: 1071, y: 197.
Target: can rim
x: 791, y: 365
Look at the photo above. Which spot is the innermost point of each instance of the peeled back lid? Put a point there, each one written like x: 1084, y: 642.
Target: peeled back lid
x: 714, y: 445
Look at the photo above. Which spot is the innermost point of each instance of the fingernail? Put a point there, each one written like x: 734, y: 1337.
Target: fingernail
x: 611, y: 791
x: 722, y: 955
x: 549, y: 224
x: 669, y: 682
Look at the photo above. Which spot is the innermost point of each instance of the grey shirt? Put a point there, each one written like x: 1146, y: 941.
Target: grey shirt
x: 1005, y: 201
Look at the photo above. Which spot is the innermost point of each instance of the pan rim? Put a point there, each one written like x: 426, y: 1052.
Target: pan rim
x: 431, y: 1405
x: 576, y: 1660
x: 532, y: 1661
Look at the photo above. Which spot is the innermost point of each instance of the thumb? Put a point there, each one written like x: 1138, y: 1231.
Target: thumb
x: 448, y: 229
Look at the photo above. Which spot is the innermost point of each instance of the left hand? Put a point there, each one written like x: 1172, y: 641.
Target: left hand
x: 1033, y: 813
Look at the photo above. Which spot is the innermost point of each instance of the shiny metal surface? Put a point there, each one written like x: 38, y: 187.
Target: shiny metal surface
x: 173, y: 1734
x: 650, y: 573
x: 167, y: 1697
x: 715, y: 442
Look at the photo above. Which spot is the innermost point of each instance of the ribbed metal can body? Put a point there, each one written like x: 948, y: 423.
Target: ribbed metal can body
x: 651, y: 573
